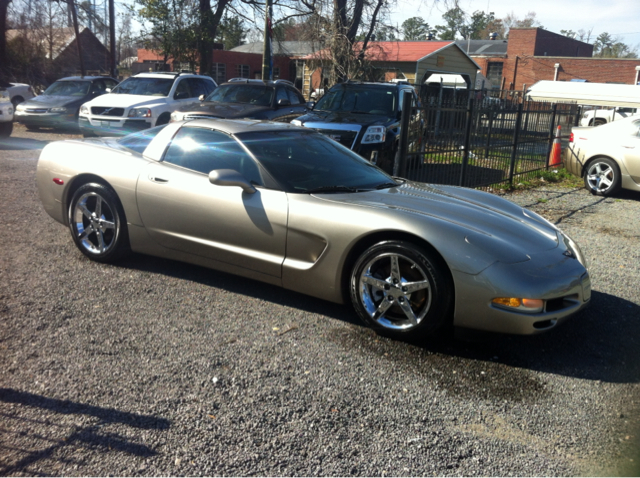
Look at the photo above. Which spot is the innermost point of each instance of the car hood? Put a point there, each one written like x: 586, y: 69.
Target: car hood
x: 490, y: 221
x: 345, y: 117
x: 115, y: 100
x: 225, y: 110
x: 53, y: 100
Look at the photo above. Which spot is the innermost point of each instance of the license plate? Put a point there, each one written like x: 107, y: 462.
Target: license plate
x: 106, y: 123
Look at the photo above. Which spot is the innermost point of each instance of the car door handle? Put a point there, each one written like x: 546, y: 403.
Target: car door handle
x: 158, y: 180
x: 628, y: 147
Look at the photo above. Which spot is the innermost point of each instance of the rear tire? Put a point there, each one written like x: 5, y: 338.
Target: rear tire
x: 97, y: 222
x: 602, y: 177
x: 599, y: 122
x: 402, y: 290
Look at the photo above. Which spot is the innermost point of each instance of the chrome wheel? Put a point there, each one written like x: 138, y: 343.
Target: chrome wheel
x: 395, y: 291
x: 94, y: 222
x: 97, y: 222
x: 401, y: 289
x: 602, y: 177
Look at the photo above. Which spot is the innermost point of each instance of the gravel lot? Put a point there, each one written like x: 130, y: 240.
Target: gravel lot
x: 152, y: 367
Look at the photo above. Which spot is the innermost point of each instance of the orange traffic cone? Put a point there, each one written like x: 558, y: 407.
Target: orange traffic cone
x: 556, y: 150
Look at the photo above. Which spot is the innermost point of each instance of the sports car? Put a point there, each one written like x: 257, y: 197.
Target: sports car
x: 289, y: 206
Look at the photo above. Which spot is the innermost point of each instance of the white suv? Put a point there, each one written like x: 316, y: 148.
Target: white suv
x: 140, y: 102
x: 597, y: 117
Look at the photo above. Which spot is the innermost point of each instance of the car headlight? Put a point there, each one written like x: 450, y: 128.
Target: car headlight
x: 58, y: 109
x: 140, y: 113
x: 21, y: 108
x: 296, y: 122
x: 374, y: 134
x: 84, y: 110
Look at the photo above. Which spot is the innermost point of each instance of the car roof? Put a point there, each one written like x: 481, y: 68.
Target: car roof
x: 85, y: 78
x: 236, y: 126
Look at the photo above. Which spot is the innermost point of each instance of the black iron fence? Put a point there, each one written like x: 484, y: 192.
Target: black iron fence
x: 467, y: 138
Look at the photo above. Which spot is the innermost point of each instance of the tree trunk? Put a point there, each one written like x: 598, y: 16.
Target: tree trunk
x: 4, y: 69
x: 209, y: 22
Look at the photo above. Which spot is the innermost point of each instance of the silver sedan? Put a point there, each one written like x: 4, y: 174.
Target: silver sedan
x: 288, y: 206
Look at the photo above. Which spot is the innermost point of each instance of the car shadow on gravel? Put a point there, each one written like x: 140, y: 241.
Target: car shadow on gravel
x: 602, y: 342
x: 38, y: 411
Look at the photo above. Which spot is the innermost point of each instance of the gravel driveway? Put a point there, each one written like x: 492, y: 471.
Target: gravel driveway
x: 153, y: 367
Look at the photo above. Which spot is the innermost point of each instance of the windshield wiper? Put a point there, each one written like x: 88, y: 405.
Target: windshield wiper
x: 387, y: 185
x: 331, y: 189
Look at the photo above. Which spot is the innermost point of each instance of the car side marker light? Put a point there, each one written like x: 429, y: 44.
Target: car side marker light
x: 58, y: 181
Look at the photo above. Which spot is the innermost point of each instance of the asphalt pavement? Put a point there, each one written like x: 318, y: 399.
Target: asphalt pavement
x: 153, y: 367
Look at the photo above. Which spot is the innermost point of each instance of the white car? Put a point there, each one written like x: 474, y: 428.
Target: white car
x: 598, y: 117
x: 6, y: 113
x: 141, y: 101
x: 607, y: 157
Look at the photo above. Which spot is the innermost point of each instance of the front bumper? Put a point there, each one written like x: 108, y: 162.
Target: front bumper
x: 47, y: 119
x: 561, y: 281
x: 112, y: 127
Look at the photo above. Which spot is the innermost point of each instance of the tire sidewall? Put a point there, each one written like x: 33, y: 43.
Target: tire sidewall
x: 438, y: 316
x: 120, y: 242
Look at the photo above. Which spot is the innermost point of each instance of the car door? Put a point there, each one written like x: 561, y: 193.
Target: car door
x: 631, y: 151
x: 182, y: 210
x: 285, y: 110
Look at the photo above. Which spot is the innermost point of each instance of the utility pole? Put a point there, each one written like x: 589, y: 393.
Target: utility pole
x: 267, y: 53
x: 76, y: 29
x: 112, y: 39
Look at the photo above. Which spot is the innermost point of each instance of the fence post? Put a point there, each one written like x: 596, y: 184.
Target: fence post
x: 514, y: 147
x: 467, y: 142
x: 400, y: 164
x: 489, y: 131
x: 552, y: 132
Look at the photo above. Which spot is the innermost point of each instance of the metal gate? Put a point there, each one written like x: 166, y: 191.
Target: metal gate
x: 467, y: 138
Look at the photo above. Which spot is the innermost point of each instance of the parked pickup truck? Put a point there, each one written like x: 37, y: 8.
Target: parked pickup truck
x: 6, y: 113
x: 597, y: 117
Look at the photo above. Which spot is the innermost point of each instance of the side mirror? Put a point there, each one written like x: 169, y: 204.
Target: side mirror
x: 283, y: 102
x: 230, y: 177
x: 201, y: 98
x: 108, y: 90
x: 311, y: 104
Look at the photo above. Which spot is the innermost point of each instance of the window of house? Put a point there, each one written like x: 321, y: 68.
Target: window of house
x: 242, y: 71
x: 219, y: 72
x: 494, y: 73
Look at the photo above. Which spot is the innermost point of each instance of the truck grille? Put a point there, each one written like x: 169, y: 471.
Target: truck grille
x: 344, y: 137
x: 106, y: 111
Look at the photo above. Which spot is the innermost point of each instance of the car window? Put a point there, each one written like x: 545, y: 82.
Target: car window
x: 259, y: 95
x: 139, y: 141
x: 199, y: 87
x: 98, y: 86
x: 182, y: 90
x: 204, y: 150
x: 294, y: 97
x: 110, y: 83
x: 144, y: 86
x: 359, y: 99
x: 281, y: 94
x: 68, y: 88
x: 305, y: 160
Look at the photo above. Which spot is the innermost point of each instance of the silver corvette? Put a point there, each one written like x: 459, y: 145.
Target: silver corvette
x: 288, y: 206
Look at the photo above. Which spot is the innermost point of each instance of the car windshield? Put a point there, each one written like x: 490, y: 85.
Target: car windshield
x: 144, y: 86
x: 305, y: 161
x: 259, y: 95
x: 68, y: 88
x: 139, y: 141
x: 358, y: 99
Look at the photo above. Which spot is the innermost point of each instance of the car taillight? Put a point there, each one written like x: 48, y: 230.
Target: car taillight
x: 571, y: 138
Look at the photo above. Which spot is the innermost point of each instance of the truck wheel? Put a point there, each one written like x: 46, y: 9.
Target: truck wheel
x: 599, y: 122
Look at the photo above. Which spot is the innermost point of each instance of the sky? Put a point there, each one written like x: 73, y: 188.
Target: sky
x: 617, y: 17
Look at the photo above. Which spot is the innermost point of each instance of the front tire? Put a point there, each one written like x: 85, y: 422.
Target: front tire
x: 6, y: 129
x: 602, y: 177
x: 97, y: 222
x: 402, y: 290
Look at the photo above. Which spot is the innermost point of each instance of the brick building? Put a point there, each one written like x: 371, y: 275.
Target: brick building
x: 534, y: 54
